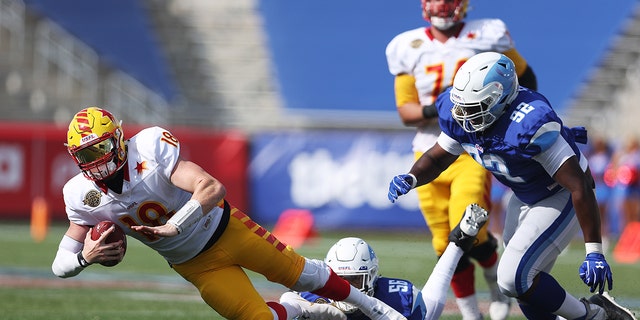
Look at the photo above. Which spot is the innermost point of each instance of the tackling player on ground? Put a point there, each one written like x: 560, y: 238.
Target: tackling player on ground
x: 355, y: 261
x: 424, y: 61
x: 176, y: 208
x: 515, y: 133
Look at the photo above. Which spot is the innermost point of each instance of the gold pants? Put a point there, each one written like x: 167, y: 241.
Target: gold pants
x: 218, y: 272
x: 444, y: 200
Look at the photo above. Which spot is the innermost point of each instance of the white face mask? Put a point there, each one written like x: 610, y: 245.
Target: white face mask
x: 442, y: 23
x: 102, y: 171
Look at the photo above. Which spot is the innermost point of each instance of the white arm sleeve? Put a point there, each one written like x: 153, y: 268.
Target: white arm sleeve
x: 449, y: 144
x: 552, y: 158
x: 434, y: 292
x: 66, y: 262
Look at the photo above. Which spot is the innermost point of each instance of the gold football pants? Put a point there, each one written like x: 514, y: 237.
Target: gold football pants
x: 218, y: 274
x: 444, y: 200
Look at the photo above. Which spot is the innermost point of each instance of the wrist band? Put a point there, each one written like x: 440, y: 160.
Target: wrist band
x: 593, y: 247
x: 414, y: 182
x: 188, y: 215
x: 429, y: 111
x: 83, y: 262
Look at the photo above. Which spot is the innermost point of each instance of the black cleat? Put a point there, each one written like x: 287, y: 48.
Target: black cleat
x: 464, y: 234
x: 611, y: 307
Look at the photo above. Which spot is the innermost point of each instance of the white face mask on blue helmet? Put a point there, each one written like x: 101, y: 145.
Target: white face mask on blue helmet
x: 355, y: 261
x: 482, y: 89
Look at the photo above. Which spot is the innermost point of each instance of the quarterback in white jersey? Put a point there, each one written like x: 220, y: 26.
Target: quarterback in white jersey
x: 152, y: 155
x: 178, y: 209
x: 432, y: 63
x: 424, y: 62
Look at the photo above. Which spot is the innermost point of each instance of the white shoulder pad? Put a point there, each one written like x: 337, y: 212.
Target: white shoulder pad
x: 399, y: 49
x: 156, y: 144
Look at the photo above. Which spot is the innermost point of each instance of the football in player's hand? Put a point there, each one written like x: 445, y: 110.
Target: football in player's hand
x: 115, y: 236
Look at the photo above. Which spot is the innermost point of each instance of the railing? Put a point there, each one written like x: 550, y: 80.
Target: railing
x: 58, y: 73
x: 12, y: 33
x: 63, y: 66
x: 131, y: 100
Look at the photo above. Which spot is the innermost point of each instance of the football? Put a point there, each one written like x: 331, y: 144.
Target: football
x: 116, y: 235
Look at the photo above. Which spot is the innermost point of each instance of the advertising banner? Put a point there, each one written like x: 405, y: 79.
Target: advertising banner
x: 34, y: 163
x: 341, y: 177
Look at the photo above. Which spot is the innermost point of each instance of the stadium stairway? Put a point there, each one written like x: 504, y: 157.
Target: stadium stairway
x: 609, y: 95
x: 218, y: 53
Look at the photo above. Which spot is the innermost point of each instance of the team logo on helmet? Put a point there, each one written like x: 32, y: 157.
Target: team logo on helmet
x: 96, y: 143
x: 482, y: 89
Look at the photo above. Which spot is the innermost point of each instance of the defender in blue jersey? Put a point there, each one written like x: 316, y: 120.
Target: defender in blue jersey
x: 515, y: 133
x: 355, y: 261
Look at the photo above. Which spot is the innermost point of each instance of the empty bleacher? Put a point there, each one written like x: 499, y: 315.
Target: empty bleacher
x: 216, y: 54
x: 48, y: 73
x: 607, y: 101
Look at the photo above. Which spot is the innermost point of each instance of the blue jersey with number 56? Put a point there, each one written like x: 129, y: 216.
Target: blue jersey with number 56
x: 512, y: 147
x: 399, y: 294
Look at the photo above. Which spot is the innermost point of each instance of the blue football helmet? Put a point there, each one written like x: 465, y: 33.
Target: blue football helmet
x: 482, y: 89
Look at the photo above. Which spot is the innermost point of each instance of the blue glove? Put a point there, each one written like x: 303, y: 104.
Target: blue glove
x: 400, y: 184
x: 595, y: 271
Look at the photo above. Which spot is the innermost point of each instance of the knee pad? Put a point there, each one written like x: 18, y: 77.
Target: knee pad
x: 506, y: 282
x: 314, y: 275
x: 484, y: 250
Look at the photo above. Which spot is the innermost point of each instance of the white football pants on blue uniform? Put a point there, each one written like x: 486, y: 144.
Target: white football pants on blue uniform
x: 534, y: 236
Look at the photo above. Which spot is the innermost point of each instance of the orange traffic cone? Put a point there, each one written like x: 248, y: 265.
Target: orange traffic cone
x: 39, y: 219
x: 628, y: 248
x: 294, y: 227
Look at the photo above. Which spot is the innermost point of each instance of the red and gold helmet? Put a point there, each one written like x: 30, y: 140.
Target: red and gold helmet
x: 96, y: 142
x: 444, y: 14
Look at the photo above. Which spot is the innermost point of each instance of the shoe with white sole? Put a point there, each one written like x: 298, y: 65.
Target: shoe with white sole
x: 614, y: 310
x: 464, y: 234
x: 499, y: 310
x: 594, y: 311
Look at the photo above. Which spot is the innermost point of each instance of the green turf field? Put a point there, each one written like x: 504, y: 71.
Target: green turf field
x: 144, y: 287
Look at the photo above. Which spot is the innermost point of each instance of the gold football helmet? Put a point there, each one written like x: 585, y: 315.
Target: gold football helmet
x: 96, y: 142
